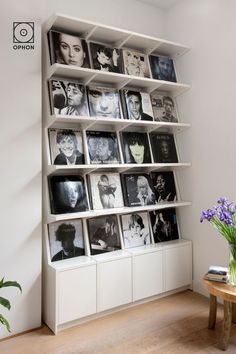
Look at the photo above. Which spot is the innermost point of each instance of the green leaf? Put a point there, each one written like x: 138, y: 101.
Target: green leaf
x: 1, y: 282
x: 12, y: 283
x: 5, y: 323
x: 4, y: 302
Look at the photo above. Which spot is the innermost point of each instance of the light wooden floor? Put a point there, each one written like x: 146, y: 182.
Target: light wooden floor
x: 175, y: 324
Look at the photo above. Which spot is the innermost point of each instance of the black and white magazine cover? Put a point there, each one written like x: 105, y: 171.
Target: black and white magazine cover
x: 104, y: 102
x: 164, y: 108
x: 135, y: 228
x: 105, y: 58
x: 68, y: 98
x: 67, y: 194
x: 137, y: 105
x: 164, y: 186
x: 105, y: 190
x: 138, y: 189
x: 66, y: 147
x: 135, y: 147
x: 164, y: 225
x: 102, y: 147
x: 162, y: 68
x: 66, y: 240
x: 68, y: 49
x: 163, y: 147
x: 103, y: 234
x: 135, y: 63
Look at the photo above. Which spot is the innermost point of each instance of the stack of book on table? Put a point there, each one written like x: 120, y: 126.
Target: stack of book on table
x: 217, y: 273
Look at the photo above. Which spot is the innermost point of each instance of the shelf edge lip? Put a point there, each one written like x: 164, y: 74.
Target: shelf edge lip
x: 57, y: 118
x: 125, y: 210
x: 53, y: 70
x: 70, y: 168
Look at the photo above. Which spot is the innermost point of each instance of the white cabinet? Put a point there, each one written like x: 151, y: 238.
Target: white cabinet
x: 76, y: 293
x: 147, y: 274
x: 114, y: 281
x: 69, y: 291
x: 177, y: 265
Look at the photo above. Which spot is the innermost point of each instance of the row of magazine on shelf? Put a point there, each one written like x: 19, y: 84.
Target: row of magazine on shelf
x: 68, y: 146
x: 106, y: 190
x: 70, y: 49
x: 66, y: 238
x: 71, y: 98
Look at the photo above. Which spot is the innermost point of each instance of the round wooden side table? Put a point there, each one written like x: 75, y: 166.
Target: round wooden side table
x: 228, y: 294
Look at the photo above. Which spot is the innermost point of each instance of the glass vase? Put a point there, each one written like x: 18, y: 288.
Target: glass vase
x: 232, y: 264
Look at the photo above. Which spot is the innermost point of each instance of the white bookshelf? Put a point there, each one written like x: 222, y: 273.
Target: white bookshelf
x: 84, y: 287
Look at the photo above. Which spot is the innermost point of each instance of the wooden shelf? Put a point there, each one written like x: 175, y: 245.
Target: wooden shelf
x: 114, y: 211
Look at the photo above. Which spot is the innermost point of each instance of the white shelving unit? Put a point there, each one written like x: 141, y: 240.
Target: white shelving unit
x: 84, y: 287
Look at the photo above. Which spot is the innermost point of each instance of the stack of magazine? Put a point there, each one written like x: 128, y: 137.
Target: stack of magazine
x: 217, y: 273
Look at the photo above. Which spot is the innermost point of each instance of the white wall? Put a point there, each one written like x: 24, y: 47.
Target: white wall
x: 20, y: 177
x: 209, y: 27
x: 125, y: 14
x: 20, y: 142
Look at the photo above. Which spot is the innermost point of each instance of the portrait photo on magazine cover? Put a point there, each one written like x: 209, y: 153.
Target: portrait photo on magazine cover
x: 135, y: 63
x: 135, y: 228
x: 106, y: 58
x: 66, y: 147
x: 105, y: 190
x: 104, y: 102
x: 138, y: 189
x: 162, y: 68
x: 102, y: 147
x: 164, y: 186
x: 66, y: 239
x: 103, y: 234
x: 68, y: 98
x: 164, y: 108
x: 137, y: 105
x: 67, y: 194
x: 163, y: 147
x: 68, y: 49
x: 135, y: 147
x: 164, y: 225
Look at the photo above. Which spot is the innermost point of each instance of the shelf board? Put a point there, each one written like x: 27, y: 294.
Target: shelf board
x: 153, y: 247
x: 145, y: 167
x: 111, y: 256
x: 113, y: 124
x: 72, y: 263
x: 90, y: 76
x: 115, y: 37
x: 116, y: 211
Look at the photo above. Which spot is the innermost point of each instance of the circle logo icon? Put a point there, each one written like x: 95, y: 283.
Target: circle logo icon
x: 23, y: 32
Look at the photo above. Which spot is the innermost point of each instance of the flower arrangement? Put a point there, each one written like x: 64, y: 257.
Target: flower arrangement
x: 223, y: 218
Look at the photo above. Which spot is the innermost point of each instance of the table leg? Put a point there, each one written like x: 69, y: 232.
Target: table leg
x: 226, y: 325
x: 233, y: 312
x: 212, y: 312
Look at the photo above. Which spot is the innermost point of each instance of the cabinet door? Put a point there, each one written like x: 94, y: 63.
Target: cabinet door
x: 114, y: 283
x: 77, y: 293
x: 177, y: 267
x: 147, y: 276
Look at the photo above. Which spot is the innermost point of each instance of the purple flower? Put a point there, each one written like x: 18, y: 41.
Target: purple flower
x: 207, y: 215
